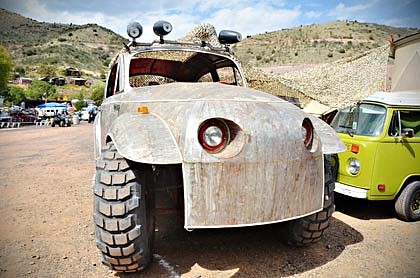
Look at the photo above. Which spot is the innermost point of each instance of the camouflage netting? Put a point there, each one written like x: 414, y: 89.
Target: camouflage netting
x: 338, y: 84
x: 203, y: 32
x: 256, y: 78
x: 343, y: 82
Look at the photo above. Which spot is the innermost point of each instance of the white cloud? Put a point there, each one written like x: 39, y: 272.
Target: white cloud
x: 313, y: 14
x: 253, y: 20
x: 246, y: 16
x: 342, y: 11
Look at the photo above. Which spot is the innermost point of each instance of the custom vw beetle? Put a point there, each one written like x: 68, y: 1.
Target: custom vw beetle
x: 179, y: 117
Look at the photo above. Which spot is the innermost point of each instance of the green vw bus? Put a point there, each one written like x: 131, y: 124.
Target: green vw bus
x: 382, y: 160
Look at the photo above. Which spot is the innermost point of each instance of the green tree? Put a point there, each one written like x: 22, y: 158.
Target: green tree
x: 20, y: 71
x: 81, y: 101
x: 16, y: 95
x: 47, y: 70
x: 6, y: 65
x: 79, y: 105
x: 39, y: 90
x: 97, y: 94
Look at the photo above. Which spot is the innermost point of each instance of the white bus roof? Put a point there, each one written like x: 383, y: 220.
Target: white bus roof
x: 396, y: 98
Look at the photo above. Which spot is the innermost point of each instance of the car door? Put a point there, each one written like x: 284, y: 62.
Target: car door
x: 398, y: 154
x: 109, y: 110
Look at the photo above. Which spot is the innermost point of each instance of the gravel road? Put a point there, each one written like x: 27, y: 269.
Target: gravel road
x: 47, y: 229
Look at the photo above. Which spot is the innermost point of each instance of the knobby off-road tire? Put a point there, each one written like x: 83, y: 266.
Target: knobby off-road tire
x: 407, y: 205
x: 310, y: 229
x: 124, y: 221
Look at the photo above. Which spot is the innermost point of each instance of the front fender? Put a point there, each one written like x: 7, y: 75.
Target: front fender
x: 330, y: 141
x: 144, y: 138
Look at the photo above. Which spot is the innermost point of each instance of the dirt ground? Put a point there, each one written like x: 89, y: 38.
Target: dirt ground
x: 47, y: 230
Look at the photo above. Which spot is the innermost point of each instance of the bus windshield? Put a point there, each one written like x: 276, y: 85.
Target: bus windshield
x: 364, y: 119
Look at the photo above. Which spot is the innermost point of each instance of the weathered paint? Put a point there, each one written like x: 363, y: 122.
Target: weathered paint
x: 267, y: 176
x: 144, y: 138
x: 245, y: 193
x: 264, y: 175
x: 327, y: 135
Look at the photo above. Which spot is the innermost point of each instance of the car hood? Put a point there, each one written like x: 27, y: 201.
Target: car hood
x: 183, y: 92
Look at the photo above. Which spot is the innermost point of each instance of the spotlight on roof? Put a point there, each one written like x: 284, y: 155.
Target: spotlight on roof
x: 162, y: 28
x: 229, y: 37
x: 134, y: 30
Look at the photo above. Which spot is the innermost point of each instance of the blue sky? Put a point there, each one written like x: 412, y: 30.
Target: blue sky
x: 246, y: 16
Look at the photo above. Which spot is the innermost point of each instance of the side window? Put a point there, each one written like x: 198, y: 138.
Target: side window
x: 411, y: 120
x: 405, y: 120
x: 112, y: 84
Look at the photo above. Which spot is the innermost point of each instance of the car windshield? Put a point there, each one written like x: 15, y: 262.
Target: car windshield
x: 364, y: 119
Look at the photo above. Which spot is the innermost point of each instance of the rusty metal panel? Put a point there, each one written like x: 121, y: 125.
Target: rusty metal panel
x: 267, y: 175
x: 331, y: 142
x: 242, y: 194
x: 144, y: 138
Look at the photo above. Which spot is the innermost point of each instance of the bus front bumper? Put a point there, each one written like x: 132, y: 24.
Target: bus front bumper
x: 350, y: 191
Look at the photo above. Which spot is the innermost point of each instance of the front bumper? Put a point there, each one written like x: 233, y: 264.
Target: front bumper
x: 239, y: 194
x: 350, y: 191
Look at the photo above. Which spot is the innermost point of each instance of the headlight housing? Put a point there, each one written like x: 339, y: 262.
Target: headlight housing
x: 354, y: 166
x: 213, y: 135
x: 307, y: 133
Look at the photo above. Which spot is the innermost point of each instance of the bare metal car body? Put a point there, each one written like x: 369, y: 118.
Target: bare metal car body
x: 179, y: 120
x: 264, y: 175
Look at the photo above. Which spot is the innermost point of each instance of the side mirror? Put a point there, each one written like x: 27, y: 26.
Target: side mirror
x: 407, y: 133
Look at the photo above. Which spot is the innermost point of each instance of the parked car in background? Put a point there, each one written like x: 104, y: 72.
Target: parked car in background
x: 87, y: 111
x: 61, y: 120
x: 382, y: 160
x: 27, y: 117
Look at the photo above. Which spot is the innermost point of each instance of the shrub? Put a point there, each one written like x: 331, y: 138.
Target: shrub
x: 258, y: 57
x: 342, y: 50
x: 330, y: 55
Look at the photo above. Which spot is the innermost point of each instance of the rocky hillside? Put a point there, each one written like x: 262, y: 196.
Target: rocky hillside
x: 314, y: 44
x: 31, y: 43
x: 347, y: 59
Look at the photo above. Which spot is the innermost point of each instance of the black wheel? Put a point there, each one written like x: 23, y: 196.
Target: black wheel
x: 310, y: 229
x: 123, y: 215
x: 407, y: 205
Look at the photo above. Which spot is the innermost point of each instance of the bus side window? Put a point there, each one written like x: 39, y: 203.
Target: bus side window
x: 410, y: 119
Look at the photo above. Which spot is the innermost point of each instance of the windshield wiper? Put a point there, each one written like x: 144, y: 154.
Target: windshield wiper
x: 349, y: 132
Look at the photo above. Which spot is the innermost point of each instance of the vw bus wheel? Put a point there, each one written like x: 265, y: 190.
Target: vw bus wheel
x: 124, y: 223
x: 407, y: 205
x: 310, y: 229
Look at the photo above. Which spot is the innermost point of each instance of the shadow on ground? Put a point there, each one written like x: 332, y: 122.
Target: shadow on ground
x: 239, y: 252
x: 364, y: 209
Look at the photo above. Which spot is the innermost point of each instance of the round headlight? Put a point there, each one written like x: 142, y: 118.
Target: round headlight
x: 213, y: 135
x: 354, y: 166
